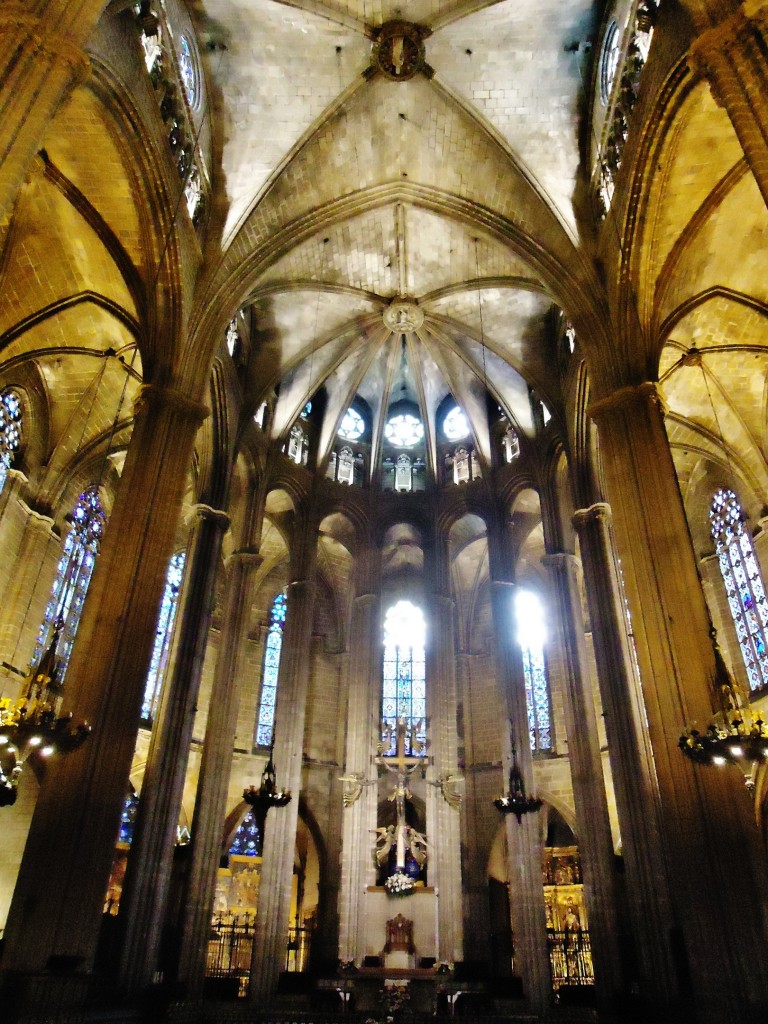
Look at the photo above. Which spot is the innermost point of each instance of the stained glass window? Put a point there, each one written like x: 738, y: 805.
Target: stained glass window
x: 510, y: 444
x: 352, y: 425
x: 531, y: 636
x: 247, y: 839
x: 163, y: 635
x: 298, y: 445
x: 10, y: 431
x: 455, y: 425
x: 73, y: 576
x: 609, y: 60
x: 743, y: 583
x: 272, y: 651
x: 346, y: 466
x: 404, y: 430
x: 128, y: 819
x: 187, y: 71
x: 404, y: 690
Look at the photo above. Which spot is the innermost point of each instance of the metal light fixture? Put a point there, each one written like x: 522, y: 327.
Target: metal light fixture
x: 736, y: 734
x: 515, y: 800
x: 267, y: 795
x: 31, y: 726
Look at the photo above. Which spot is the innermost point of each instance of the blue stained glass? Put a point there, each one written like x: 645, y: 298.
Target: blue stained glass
x: 531, y: 638
x: 163, y: 635
x: 73, y: 576
x: 743, y: 582
x: 272, y: 651
x: 247, y: 840
x: 404, y: 682
x: 128, y: 819
x: 10, y: 431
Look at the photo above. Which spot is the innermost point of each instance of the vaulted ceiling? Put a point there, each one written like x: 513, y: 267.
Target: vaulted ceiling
x: 348, y: 188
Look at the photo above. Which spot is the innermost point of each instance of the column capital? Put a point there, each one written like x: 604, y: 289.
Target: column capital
x: 558, y: 559
x: 246, y: 557
x: 170, y: 398
x: 600, y: 511
x: 631, y: 396
x: 214, y: 515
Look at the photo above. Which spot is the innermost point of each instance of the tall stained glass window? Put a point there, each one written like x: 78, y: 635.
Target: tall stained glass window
x: 10, y: 431
x: 247, y: 840
x: 163, y: 636
x: 73, y: 576
x: 404, y: 690
x: 274, y: 646
x: 531, y: 636
x: 743, y: 583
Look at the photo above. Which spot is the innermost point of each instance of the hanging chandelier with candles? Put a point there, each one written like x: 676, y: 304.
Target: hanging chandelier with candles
x: 31, y: 726
x: 516, y: 801
x: 736, y: 734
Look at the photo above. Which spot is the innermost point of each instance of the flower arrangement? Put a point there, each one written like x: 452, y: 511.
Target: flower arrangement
x: 399, y: 884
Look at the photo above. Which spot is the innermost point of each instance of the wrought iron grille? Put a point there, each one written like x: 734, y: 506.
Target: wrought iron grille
x: 570, y: 955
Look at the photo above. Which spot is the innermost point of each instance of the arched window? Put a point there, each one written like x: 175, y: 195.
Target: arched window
x: 163, y: 635
x: 346, y: 468
x: 187, y: 71
x: 510, y: 443
x: 403, y: 473
x: 404, y: 689
x: 531, y: 636
x: 247, y: 839
x: 298, y: 446
x: 272, y: 651
x: 73, y: 576
x: 10, y: 431
x: 743, y: 583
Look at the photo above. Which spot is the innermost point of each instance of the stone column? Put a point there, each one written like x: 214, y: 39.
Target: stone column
x: 704, y: 815
x: 42, y: 59
x: 145, y: 894
x: 357, y: 866
x: 272, y: 919
x: 592, y: 822
x: 213, y: 781
x: 632, y: 767
x: 443, y: 824
x: 731, y: 56
x: 57, y: 906
x: 526, y: 890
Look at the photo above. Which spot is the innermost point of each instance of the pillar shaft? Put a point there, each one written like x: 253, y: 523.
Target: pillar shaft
x: 58, y: 902
x: 704, y: 815
x: 631, y: 758
x: 526, y: 891
x: 273, y: 917
x: 444, y: 823
x: 592, y: 821
x: 357, y: 866
x: 144, y: 899
x: 42, y: 59
x: 213, y: 781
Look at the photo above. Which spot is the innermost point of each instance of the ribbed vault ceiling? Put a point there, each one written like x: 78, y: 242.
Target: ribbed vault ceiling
x: 402, y: 180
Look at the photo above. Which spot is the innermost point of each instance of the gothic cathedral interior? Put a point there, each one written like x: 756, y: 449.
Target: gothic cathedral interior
x: 384, y: 511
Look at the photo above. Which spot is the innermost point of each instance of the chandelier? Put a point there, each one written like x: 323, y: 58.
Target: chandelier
x: 736, y: 734
x: 515, y: 800
x: 31, y: 726
x: 267, y: 795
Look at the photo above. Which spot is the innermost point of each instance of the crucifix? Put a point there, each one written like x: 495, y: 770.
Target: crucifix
x: 402, y: 766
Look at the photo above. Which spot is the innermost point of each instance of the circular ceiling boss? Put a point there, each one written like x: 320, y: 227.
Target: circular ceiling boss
x: 398, y: 50
x: 402, y: 316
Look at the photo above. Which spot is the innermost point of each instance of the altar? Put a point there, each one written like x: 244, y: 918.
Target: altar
x: 419, y: 907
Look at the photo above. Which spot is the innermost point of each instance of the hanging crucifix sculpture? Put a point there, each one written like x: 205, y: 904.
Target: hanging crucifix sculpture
x: 402, y: 766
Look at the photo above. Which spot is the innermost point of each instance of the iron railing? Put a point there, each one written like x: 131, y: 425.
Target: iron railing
x: 570, y: 955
